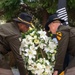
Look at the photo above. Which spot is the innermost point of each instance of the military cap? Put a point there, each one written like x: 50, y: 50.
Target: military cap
x: 24, y: 18
x: 51, y: 19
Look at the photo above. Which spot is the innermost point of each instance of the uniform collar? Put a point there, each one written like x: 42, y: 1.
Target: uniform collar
x: 16, y: 26
x: 60, y: 26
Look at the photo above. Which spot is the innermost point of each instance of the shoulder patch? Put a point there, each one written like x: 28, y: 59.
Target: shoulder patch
x: 59, y: 35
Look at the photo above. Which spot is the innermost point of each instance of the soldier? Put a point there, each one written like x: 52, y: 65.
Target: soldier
x: 66, y: 44
x: 10, y: 40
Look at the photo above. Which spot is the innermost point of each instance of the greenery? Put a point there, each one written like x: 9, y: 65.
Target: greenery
x: 11, y: 8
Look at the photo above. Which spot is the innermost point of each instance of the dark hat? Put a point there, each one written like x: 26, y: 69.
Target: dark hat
x: 24, y: 18
x: 51, y: 19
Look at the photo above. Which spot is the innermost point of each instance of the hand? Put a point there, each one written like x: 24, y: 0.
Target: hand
x: 55, y: 73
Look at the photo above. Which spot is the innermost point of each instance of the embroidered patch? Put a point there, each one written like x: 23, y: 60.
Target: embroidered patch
x: 59, y: 35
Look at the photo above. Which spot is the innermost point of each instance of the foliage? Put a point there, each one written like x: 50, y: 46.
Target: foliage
x: 49, y: 5
x: 12, y: 7
x: 36, y: 7
x: 71, y: 4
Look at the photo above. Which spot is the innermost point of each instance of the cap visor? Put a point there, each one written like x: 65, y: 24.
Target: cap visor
x: 16, y: 20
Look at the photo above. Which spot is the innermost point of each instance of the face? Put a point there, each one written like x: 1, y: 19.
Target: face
x: 23, y: 28
x: 53, y: 26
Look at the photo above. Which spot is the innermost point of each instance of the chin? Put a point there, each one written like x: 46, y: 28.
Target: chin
x: 53, y: 33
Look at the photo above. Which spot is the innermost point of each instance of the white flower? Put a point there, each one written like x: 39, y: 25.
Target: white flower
x: 47, y: 70
x: 26, y: 42
x: 30, y: 53
x: 47, y: 39
x: 35, y: 37
x: 39, y: 69
x: 36, y: 41
x: 42, y: 34
x: 42, y: 45
x: 46, y: 49
x: 30, y: 61
x: 52, y: 45
x: 32, y: 34
x: 53, y: 57
x: 29, y: 37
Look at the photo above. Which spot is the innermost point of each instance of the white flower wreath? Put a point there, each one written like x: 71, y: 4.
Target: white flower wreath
x: 38, y: 51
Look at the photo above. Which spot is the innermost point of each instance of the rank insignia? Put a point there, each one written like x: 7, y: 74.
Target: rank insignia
x: 59, y: 35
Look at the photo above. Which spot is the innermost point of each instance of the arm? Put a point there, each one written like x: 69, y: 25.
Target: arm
x: 61, y: 52
x: 15, y: 45
x: 61, y: 11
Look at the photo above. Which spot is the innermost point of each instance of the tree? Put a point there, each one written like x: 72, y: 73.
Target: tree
x: 40, y: 8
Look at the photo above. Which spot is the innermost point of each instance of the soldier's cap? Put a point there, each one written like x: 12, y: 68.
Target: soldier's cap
x: 24, y: 18
x: 52, y: 18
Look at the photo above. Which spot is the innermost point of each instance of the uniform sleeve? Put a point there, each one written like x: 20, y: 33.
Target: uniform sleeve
x: 62, y: 49
x: 15, y: 45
